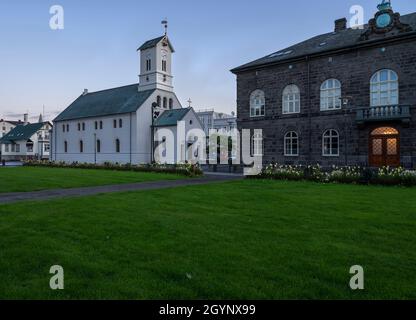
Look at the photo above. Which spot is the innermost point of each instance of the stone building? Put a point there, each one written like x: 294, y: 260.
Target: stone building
x: 347, y: 97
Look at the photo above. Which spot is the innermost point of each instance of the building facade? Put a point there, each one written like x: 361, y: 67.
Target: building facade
x: 116, y: 125
x: 347, y: 97
x: 27, y: 141
x: 217, y: 121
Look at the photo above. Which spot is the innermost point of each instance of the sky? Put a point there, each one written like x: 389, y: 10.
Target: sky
x: 45, y: 69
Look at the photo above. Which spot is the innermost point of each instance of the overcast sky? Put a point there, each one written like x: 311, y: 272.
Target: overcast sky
x: 97, y: 48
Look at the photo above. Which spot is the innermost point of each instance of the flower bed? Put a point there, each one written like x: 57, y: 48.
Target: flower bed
x: 351, y: 175
x: 189, y: 170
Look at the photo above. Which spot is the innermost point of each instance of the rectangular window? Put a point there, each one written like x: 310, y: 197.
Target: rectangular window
x: 79, y: 127
x: 148, y: 64
x: 47, y: 147
x: 17, y: 148
x: 101, y: 124
x: 120, y: 123
x: 115, y: 123
x: 6, y: 148
x: 83, y: 126
x: 29, y: 148
x: 96, y: 125
x: 164, y: 65
x: 63, y: 128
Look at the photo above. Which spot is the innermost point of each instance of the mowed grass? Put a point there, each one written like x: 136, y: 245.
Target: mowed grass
x: 22, y: 179
x: 234, y: 240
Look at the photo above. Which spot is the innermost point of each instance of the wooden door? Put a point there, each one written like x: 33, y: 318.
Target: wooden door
x: 384, y: 150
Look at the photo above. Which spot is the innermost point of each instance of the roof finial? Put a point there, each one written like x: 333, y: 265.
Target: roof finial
x: 165, y: 24
x: 384, y: 5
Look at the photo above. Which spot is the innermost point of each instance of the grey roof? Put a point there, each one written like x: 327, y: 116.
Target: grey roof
x: 107, y: 102
x: 15, y: 123
x: 320, y: 44
x: 171, y: 117
x: 22, y: 132
x: 152, y: 43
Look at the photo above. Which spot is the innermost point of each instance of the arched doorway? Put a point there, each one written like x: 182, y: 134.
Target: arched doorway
x: 384, y: 147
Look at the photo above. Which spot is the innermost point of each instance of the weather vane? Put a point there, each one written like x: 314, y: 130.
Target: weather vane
x: 165, y: 24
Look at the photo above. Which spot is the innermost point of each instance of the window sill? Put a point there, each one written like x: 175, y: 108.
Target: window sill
x: 331, y: 156
x: 328, y: 110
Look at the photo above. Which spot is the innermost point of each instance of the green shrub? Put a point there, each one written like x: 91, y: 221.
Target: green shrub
x: 189, y: 170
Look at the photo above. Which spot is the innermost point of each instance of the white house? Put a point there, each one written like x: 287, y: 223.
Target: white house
x: 217, y: 121
x: 116, y: 125
x: 26, y: 141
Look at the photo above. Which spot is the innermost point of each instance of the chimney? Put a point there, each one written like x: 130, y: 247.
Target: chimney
x: 85, y: 92
x: 25, y: 119
x: 340, y: 24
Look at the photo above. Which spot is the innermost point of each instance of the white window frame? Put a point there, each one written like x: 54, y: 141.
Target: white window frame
x: 330, y: 134
x: 257, y: 144
x: 291, y: 97
x: 257, y: 104
x: 331, y: 92
x: 289, y: 139
x: 388, y: 88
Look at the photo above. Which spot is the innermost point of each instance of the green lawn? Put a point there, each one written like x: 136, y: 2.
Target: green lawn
x: 235, y: 240
x: 21, y: 179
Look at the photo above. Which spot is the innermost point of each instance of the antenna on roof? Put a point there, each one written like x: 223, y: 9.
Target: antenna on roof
x: 165, y: 24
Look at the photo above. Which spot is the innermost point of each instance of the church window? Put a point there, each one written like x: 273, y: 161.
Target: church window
x: 98, y: 146
x: 120, y: 123
x: 65, y: 146
x: 115, y: 123
x: 165, y: 103
x: 81, y: 146
x: 118, y: 145
x: 170, y: 103
x: 101, y: 124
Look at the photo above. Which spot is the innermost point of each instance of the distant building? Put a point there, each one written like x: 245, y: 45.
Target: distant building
x: 26, y: 141
x: 7, y: 125
x: 117, y: 125
x: 217, y: 121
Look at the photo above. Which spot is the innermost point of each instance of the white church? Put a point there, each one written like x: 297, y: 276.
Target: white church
x: 118, y: 125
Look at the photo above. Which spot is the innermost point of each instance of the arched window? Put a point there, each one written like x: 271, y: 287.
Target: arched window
x: 98, y: 146
x: 257, y: 104
x: 79, y: 126
x: 120, y: 123
x: 63, y: 128
x: 291, y: 99
x: 67, y: 128
x: 83, y: 126
x: 257, y: 144
x: 330, y: 95
x: 384, y: 131
x: 159, y: 101
x: 114, y: 123
x: 330, y: 143
x: 291, y: 144
x: 118, y: 145
x: 384, y: 88
x: 65, y: 146
x: 101, y: 124
x: 165, y: 103
x: 170, y: 103
x: 81, y: 146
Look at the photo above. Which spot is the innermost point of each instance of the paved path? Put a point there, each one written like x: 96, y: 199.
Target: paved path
x: 88, y: 191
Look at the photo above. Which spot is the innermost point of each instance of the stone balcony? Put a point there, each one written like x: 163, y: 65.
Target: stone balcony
x: 384, y: 113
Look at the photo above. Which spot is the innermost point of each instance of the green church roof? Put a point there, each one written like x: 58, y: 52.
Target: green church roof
x: 107, y: 102
x: 171, y: 117
x: 22, y: 132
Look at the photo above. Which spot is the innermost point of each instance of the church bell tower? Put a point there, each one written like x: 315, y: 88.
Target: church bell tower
x: 156, y: 64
